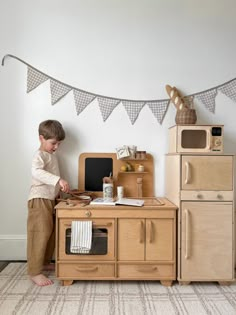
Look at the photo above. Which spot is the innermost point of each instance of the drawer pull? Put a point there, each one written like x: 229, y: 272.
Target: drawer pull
x: 219, y: 196
x: 86, y: 269
x: 147, y: 269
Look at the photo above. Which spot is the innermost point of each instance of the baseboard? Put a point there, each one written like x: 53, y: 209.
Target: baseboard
x: 13, y: 247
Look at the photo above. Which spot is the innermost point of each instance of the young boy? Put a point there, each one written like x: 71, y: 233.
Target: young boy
x: 45, y: 186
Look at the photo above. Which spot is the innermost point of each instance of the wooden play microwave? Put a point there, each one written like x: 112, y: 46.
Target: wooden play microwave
x: 196, y: 139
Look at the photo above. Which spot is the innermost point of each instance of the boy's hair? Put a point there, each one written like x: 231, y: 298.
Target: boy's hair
x: 52, y: 129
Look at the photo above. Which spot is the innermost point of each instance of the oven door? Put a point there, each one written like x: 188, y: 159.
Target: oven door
x: 102, y: 240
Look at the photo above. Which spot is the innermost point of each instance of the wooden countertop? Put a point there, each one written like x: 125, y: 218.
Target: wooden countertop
x: 150, y: 203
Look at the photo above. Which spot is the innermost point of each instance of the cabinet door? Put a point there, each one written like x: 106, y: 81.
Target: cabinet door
x: 160, y: 239
x: 207, y: 172
x: 131, y: 239
x: 207, y: 241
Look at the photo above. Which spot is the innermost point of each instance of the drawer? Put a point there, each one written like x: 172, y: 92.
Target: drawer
x: 206, y: 195
x: 83, y: 271
x: 146, y: 271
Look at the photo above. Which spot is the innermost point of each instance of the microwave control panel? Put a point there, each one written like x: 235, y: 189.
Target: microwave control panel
x: 216, y: 143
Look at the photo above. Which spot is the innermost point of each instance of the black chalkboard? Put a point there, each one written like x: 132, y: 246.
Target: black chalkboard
x: 95, y: 170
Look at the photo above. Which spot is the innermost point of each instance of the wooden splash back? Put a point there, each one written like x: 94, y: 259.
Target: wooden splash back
x: 94, y: 166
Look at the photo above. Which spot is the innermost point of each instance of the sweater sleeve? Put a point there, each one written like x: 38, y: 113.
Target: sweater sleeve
x: 42, y: 175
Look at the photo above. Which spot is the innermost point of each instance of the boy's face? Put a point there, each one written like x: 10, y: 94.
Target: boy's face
x: 49, y: 145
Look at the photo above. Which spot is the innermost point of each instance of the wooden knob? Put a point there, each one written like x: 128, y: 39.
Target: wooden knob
x: 199, y: 196
x: 88, y: 213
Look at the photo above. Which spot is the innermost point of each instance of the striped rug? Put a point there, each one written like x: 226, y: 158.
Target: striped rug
x: 18, y: 295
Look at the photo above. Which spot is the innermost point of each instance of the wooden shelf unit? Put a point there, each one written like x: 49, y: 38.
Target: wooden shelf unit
x: 126, y: 179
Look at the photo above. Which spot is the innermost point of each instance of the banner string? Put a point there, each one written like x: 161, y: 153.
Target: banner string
x: 107, y: 104
x: 72, y: 87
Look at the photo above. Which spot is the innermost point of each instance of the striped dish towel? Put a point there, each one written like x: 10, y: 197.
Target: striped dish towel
x: 81, y: 237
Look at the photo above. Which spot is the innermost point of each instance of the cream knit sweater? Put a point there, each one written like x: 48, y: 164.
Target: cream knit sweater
x: 45, y: 176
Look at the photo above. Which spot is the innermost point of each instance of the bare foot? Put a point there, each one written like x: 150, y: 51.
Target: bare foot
x: 41, y: 280
x: 49, y: 267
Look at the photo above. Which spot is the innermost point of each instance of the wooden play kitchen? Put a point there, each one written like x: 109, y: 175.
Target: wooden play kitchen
x: 129, y: 243
x: 141, y: 243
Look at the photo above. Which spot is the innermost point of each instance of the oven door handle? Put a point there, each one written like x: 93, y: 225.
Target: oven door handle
x: 94, y: 225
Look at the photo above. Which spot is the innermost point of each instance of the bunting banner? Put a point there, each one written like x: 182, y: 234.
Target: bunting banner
x: 159, y: 109
x: 208, y: 99
x: 133, y: 109
x: 34, y: 79
x: 107, y: 104
x: 58, y: 90
x: 82, y: 100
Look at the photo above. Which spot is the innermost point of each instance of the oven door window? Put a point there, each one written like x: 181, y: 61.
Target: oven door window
x: 99, y: 242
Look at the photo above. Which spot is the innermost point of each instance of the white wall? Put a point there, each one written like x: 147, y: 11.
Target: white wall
x: 122, y: 48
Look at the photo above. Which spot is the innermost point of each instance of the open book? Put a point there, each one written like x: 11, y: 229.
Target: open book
x: 122, y: 201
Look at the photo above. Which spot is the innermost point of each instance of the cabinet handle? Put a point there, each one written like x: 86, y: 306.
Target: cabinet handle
x: 219, y: 196
x: 141, y: 236
x: 187, y: 175
x: 93, y: 268
x: 151, y: 232
x: 186, y: 233
x: 147, y: 269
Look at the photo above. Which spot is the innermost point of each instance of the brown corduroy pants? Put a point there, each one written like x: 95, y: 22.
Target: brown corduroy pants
x: 40, y: 234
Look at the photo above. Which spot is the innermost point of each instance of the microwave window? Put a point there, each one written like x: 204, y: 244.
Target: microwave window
x: 194, y: 139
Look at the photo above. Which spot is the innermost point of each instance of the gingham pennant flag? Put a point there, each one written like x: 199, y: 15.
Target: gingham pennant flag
x: 82, y: 100
x: 107, y: 105
x: 229, y: 89
x: 133, y: 109
x: 208, y: 99
x: 159, y: 109
x: 58, y: 90
x: 34, y: 79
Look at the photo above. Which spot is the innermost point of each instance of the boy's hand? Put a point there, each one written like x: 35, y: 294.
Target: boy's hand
x: 64, y: 185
